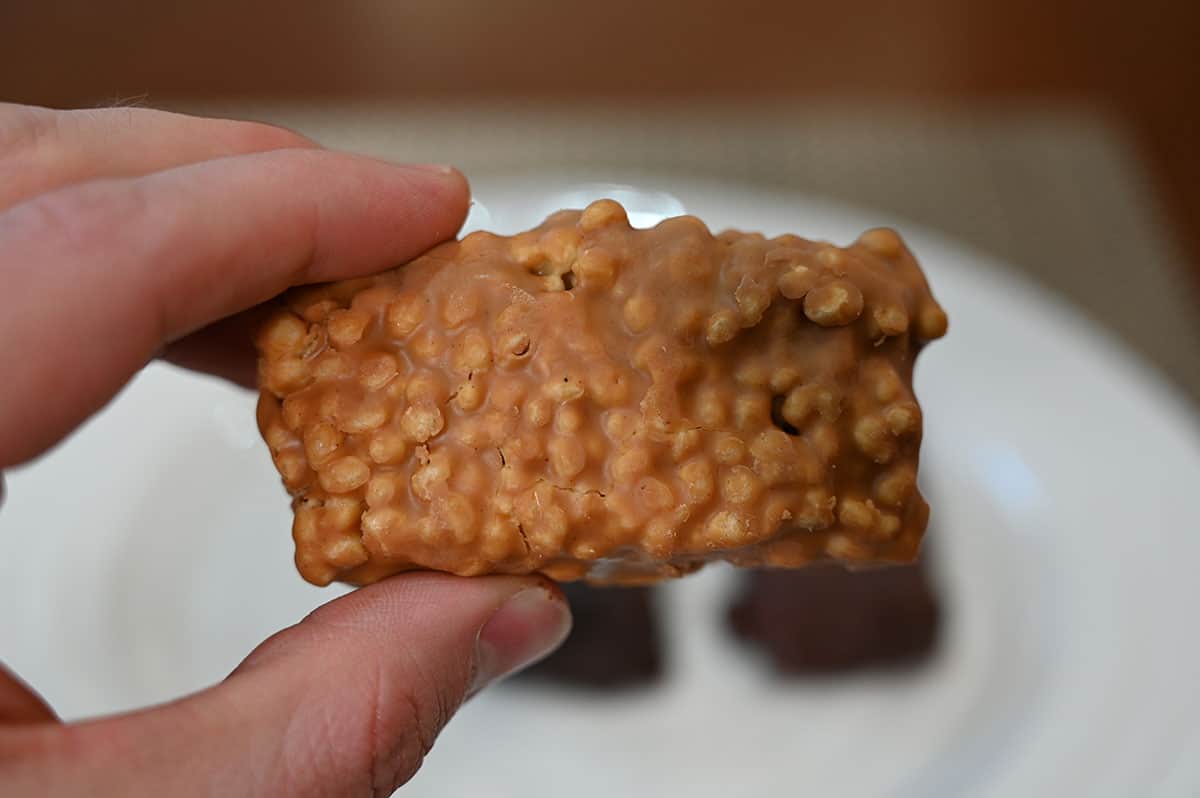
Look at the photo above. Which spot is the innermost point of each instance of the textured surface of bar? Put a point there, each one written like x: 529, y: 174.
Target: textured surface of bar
x: 593, y: 401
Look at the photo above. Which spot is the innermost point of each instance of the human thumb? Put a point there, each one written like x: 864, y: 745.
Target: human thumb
x: 347, y: 702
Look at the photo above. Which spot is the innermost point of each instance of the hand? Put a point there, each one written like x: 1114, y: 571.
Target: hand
x: 129, y: 233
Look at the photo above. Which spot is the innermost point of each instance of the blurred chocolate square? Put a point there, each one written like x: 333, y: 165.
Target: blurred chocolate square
x: 827, y: 619
x: 821, y: 619
x: 615, y: 641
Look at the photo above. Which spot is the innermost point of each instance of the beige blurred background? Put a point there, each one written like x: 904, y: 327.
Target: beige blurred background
x: 1059, y: 136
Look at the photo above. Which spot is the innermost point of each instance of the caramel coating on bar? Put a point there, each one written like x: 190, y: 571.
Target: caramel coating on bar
x: 592, y: 401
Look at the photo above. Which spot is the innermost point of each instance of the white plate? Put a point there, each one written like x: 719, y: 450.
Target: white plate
x: 146, y: 556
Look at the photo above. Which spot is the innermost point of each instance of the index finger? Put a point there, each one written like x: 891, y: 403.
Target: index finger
x: 43, y: 149
x: 101, y: 275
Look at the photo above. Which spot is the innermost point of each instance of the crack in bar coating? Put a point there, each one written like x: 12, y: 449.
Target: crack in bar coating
x: 592, y: 401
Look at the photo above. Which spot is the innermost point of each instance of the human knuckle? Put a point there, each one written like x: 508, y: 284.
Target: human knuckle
x: 23, y: 128
x: 414, y: 716
x: 76, y: 218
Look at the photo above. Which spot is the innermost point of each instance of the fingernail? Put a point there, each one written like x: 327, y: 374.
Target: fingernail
x: 435, y: 168
x: 526, y: 628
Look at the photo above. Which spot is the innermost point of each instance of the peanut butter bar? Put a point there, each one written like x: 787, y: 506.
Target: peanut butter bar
x: 593, y: 401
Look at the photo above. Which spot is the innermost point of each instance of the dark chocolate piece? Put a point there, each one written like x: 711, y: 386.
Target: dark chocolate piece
x: 614, y: 643
x: 826, y: 619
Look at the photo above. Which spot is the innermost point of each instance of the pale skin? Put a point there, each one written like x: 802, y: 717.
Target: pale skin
x: 129, y: 234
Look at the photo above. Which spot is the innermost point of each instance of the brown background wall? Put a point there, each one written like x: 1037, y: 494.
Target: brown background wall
x: 1135, y: 60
